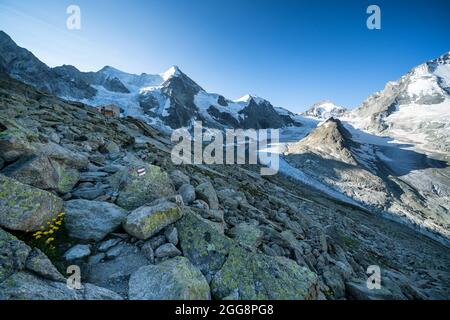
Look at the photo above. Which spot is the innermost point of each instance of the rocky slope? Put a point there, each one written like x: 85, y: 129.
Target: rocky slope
x: 395, y: 182
x: 169, y: 100
x: 179, y: 232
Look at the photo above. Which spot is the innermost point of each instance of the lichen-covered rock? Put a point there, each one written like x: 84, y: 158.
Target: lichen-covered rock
x: 167, y: 250
x: 187, y: 192
x: 64, y: 155
x: 206, y: 192
x: 26, y: 286
x: 235, y: 270
x: 146, y: 221
x: 92, y: 220
x: 67, y: 179
x: 114, y: 274
x: 14, y: 142
x: 203, y: 245
x: 247, y: 234
x: 13, y: 254
x: 179, y: 178
x: 38, y: 262
x: 78, y: 251
x: 43, y: 173
x: 26, y: 208
x: 135, y: 191
x: 174, y: 279
x: 255, y: 276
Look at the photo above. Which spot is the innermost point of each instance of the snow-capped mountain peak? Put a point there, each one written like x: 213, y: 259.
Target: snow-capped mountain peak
x: 324, y: 110
x: 173, y: 71
x: 246, y: 98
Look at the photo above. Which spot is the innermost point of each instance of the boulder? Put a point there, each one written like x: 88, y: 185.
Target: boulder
x: 187, y: 192
x: 63, y: 155
x: 15, y: 141
x: 231, y: 198
x: 233, y: 269
x: 24, y: 207
x: 114, y: 274
x: 13, y: 254
x: 172, y: 235
x: 260, y: 277
x: 92, y: 220
x: 174, y: 279
x: 135, y: 190
x: 78, y: 251
x: 202, y: 244
x: 146, y: 221
x: 206, y: 192
x: 38, y: 262
x: 179, y: 178
x: 167, y: 250
x: 43, y: 173
x: 26, y: 286
x: 247, y: 234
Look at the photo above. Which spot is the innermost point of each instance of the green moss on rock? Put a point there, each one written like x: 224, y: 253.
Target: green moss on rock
x: 26, y: 208
x: 135, y: 191
x: 240, y: 272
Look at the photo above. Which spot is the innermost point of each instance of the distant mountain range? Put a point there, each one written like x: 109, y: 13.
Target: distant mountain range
x: 415, y: 108
x: 170, y: 99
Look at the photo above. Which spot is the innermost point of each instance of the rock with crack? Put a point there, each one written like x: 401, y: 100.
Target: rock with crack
x: 15, y: 141
x: 187, y: 192
x: 136, y: 190
x: 39, y: 263
x: 167, y: 250
x: 26, y: 286
x: 13, y: 254
x: 174, y: 279
x: 26, y: 208
x: 114, y: 274
x: 205, y: 191
x: 232, y: 269
x: 79, y: 251
x: 247, y: 234
x: 43, y: 173
x: 92, y: 220
x: 146, y: 221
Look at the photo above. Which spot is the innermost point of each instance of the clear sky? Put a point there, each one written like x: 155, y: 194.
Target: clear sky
x: 290, y: 52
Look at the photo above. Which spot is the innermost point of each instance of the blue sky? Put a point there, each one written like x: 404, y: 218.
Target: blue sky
x: 290, y: 52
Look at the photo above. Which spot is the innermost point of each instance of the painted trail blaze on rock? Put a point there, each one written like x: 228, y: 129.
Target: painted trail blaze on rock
x: 26, y: 208
x: 136, y: 190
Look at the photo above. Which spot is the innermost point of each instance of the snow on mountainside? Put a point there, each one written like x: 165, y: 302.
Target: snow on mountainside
x: 388, y: 178
x: 414, y: 109
x: 324, y: 110
x: 169, y: 100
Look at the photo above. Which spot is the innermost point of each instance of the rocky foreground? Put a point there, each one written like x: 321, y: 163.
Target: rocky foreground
x: 178, y: 232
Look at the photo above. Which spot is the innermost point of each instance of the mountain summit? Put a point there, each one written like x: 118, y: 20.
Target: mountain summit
x: 168, y: 100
